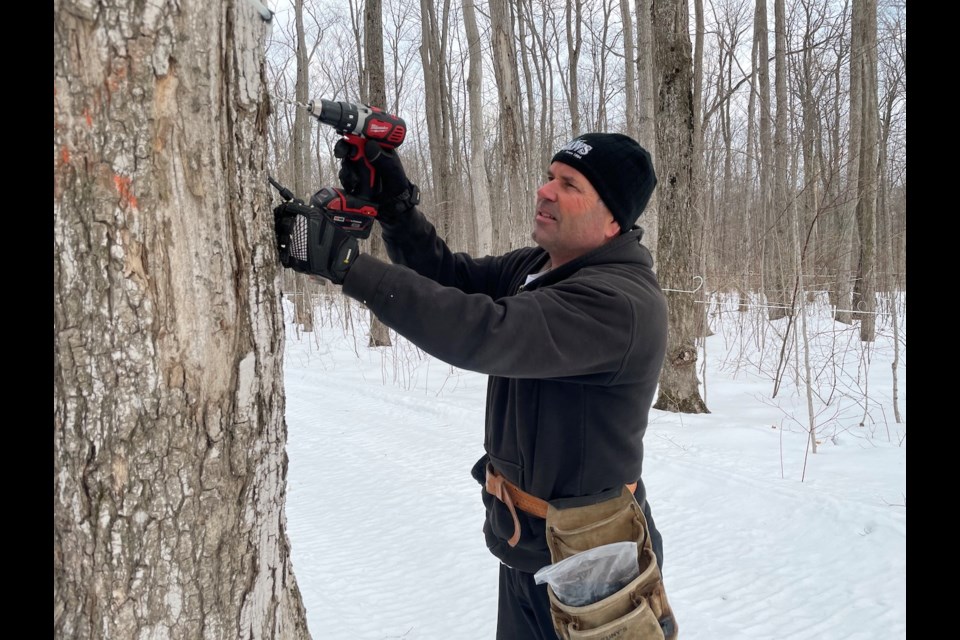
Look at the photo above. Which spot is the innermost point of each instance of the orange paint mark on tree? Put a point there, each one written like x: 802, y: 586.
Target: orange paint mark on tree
x: 88, y: 117
x: 65, y: 155
x: 123, y: 183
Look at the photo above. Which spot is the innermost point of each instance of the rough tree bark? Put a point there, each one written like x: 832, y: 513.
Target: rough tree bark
x: 679, y: 387
x: 169, y: 434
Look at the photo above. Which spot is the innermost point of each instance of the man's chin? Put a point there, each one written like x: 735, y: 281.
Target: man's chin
x: 537, y: 238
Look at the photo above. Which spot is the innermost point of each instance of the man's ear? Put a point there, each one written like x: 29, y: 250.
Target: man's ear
x: 612, y: 230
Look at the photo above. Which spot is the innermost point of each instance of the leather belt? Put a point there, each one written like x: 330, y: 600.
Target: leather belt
x: 516, y: 498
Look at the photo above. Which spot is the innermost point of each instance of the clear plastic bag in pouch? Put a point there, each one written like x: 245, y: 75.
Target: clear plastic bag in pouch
x: 591, y: 575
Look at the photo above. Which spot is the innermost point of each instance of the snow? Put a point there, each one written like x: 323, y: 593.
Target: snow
x: 762, y: 538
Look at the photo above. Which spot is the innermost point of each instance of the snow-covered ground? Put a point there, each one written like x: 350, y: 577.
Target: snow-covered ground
x: 762, y: 538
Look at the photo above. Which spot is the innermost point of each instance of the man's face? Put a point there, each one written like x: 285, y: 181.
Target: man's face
x: 570, y: 219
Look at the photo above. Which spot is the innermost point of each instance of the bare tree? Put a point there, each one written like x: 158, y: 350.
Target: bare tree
x: 573, y: 14
x: 728, y: 204
x: 846, y: 214
x: 753, y: 206
x: 698, y: 180
x: 602, y: 43
x: 678, y: 233
x: 300, y: 147
x: 528, y: 97
x: 433, y: 52
x: 891, y: 58
x: 374, y: 79
x: 541, y: 146
x: 780, y: 231
x: 811, y: 131
x: 169, y: 434
x: 514, y: 209
x: 482, y: 218
x: 647, y: 119
x: 865, y: 15
x: 629, y: 83
x: 772, y: 284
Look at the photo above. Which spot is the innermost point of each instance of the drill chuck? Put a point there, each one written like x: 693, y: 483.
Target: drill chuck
x: 342, y: 116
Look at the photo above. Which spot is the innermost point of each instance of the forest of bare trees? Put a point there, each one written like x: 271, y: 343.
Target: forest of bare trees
x: 798, y: 123
x: 778, y: 133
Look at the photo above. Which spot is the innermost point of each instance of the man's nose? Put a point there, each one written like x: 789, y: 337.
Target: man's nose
x: 547, y: 191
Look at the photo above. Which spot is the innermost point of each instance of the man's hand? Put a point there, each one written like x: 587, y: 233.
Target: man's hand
x: 390, y: 188
x: 310, y: 243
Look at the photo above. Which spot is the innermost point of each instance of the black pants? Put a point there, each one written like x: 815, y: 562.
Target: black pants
x: 524, y: 607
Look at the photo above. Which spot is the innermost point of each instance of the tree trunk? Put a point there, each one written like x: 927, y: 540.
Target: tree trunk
x: 865, y: 12
x: 479, y: 182
x: 679, y: 387
x: 752, y: 239
x: 531, y: 173
x: 303, y: 286
x: 811, y: 164
x: 514, y: 213
x: 573, y: 15
x: 772, y: 287
x: 647, y: 120
x: 544, y: 61
x: 699, y: 171
x: 375, y: 81
x: 169, y: 434
x: 629, y: 82
x: 781, y: 229
x: 599, y: 52
x: 847, y: 210
x: 541, y: 145
x: 830, y: 219
x: 433, y: 59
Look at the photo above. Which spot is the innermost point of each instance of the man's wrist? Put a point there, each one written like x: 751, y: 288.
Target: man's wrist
x: 397, y: 209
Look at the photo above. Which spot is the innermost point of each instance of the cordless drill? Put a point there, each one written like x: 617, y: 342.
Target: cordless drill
x: 354, y: 212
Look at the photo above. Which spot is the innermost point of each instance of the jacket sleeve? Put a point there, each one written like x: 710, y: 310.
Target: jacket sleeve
x: 572, y: 329
x: 415, y: 244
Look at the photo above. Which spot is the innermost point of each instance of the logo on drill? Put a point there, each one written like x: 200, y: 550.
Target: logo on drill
x: 378, y: 129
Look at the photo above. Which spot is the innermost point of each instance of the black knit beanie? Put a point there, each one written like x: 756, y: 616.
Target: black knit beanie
x: 618, y: 168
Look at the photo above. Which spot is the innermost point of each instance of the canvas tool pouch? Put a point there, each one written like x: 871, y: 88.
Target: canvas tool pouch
x: 638, y: 611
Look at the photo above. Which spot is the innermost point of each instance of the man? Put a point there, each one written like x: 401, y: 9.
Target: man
x: 572, y: 334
